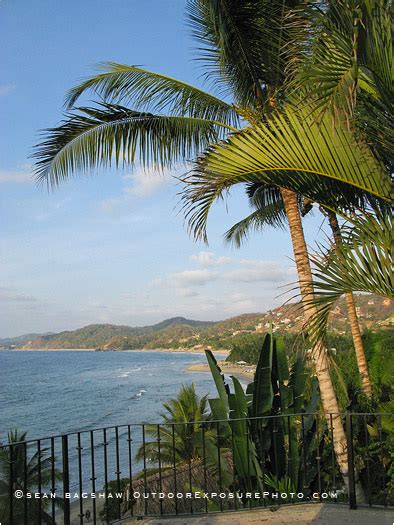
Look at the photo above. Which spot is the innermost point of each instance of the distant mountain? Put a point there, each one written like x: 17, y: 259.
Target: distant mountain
x: 181, y: 321
x: 107, y: 336
x: 20, y: 339
x: 178, y: 332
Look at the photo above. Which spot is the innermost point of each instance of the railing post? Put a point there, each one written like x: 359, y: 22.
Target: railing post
x: 350, y: 461
x: 66, y: 480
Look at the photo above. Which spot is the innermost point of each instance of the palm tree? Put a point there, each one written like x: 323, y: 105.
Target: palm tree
x: 27, y: 474
x: 352, y: 316
x: 180, y: 433
x: 269, y: 211
x: 248, y: 47
x: 363, y: 262
x: 284, y: 150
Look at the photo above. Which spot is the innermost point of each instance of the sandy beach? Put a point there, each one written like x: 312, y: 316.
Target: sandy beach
x: 240, y: 371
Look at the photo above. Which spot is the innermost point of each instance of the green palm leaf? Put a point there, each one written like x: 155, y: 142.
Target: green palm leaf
x: 96, y: 136
x: 290, y: 150
x: 269, y: 211
x: 351, y: 52
x: 363, y: 263
x: 247, y: 45
x: 272, y: 215
x: 145, y: 90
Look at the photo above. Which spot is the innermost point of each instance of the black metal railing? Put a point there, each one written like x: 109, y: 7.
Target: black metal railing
x: 109, y: 474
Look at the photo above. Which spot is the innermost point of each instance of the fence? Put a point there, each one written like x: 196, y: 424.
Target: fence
x: 110, y: 474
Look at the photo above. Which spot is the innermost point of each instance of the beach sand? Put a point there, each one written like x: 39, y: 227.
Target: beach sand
x: 240, y: 371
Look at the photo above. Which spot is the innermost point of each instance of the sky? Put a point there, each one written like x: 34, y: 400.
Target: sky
x: 111, y: 247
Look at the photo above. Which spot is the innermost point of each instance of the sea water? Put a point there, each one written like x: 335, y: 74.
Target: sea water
x: 48, y: 393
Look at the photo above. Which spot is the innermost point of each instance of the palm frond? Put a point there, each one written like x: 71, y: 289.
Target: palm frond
x: 272, y: 215
x: 351, y: 52
x: 246, y: 45
x: 363, y: 263
x: 291, y: 150
x: 148, y: 91
x: 269, y: 211
x: 94, y: 137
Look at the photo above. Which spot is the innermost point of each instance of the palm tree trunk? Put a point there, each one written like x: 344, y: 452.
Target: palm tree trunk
x: 352, y: 316
x: 319, y: 352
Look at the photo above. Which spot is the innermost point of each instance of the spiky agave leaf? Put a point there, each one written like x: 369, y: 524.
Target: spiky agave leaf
x: 96, y: 137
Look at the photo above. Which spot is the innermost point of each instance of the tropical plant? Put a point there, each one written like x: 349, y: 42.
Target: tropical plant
x: 363, y: 262
x: 347, y: 68
x: 293, y: 149
x: 267, y: 203
x: 271, y: 439
x: 248, y: 47
x: 180, y: 432
x: 27, y: 473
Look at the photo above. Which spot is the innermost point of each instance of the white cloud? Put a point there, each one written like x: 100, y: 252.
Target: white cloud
x: 16, y: 177
x: 258, y: 271
x: 12, y: 296
x: 140, y: 184
x: 5, y: 89
x: 192, y: 278
x: 207, y: 259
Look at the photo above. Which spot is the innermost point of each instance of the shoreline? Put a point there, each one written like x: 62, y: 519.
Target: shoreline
x: 221, y: 351
x: 239, y: 371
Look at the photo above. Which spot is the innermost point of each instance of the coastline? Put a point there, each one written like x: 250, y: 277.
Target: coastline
x: 239, y: 371
x: 221, y: 351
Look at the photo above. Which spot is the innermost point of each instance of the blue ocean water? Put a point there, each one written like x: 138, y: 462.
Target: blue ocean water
x: 47, y: 393
x: 50, y: 392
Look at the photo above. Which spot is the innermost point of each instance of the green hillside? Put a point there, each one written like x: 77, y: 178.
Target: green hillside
x: 178, y: 332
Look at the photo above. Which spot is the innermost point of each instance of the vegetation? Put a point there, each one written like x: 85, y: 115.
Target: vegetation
x: 311, y: 85
x: 187, y: 334
x: 267, y: 445
x: 247, y: 347
x: 270, y: 436
x: 180, y: 433
x: 12, y: 459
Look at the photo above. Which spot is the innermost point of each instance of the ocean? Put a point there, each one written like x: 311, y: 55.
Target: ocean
x: 52, y: 392
x: 47, y: 393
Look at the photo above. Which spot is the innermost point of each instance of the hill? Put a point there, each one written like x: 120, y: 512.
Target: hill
x: 20, y: 339
x: 179, y: 332
x: 108, y: 336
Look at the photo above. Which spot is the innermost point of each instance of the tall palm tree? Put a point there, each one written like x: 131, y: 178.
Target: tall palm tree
x: 248, y: 46
x: 25, y: 473
x: 363, y: 262
x: 267, y: 202
x: 288, y: 144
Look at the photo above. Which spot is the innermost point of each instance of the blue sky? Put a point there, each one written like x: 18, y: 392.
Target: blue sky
x: 110, y: 247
